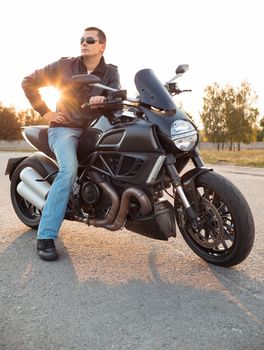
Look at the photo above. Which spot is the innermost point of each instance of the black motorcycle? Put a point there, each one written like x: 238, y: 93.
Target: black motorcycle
x: 131, y: 174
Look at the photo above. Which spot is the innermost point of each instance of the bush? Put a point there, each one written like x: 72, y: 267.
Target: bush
x: 9, y: 124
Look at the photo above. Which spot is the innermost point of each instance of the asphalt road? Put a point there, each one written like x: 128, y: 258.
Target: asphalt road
x: 119, y: 290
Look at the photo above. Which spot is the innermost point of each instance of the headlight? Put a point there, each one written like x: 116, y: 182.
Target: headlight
x: 184, y: 135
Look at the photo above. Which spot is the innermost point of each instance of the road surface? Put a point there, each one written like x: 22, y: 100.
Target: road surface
x: 124, y: 291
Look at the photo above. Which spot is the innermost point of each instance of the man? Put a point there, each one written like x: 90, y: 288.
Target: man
x: 66, y: 124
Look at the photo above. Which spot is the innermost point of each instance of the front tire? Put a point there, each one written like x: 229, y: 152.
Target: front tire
x: 226, y: 236
x: 26, y: 212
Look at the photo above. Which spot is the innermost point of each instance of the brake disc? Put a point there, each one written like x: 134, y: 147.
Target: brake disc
x: 210, y: 232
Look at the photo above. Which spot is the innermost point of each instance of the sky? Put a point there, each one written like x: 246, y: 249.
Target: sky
x: 221, y: 40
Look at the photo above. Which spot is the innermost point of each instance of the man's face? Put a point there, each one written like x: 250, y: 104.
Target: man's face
x: 90, y: 45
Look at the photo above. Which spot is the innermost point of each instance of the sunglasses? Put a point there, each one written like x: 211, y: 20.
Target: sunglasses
x: 89, y: 40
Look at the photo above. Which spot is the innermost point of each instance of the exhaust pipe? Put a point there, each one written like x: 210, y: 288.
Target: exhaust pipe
x: 146, y: 207
x: 110, y: 191
x: 115, y: 218
x: 31, y: 189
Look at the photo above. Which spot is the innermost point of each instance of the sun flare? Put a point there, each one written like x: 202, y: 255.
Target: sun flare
x: 50, y: 96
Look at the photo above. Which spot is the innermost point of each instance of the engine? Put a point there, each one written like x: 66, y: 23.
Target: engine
x: 90, y: 193
x: 93, y: 200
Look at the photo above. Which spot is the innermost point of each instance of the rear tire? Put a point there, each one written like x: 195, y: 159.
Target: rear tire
x: 228, y: 233
x: 26, y: 212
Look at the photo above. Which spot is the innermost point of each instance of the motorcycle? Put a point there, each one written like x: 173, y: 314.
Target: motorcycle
x: 140, y: 168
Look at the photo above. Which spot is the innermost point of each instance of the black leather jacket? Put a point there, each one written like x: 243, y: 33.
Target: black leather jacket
x: 59, y: 74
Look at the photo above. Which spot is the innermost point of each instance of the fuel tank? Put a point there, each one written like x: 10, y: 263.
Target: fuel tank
x: 127, y: 151
x: 136, y: 135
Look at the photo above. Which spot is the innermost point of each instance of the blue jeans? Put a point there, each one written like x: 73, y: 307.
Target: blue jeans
x: 63, y: 142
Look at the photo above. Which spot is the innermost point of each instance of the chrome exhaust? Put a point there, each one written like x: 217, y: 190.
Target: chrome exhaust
x: 32, y: 190
x: 31, y: 196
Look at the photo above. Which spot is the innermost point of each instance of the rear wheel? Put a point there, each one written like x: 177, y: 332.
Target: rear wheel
x: 26, y: 212
x: 226, y: 234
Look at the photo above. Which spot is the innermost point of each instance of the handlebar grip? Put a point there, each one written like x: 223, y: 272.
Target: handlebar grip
x: 108, y: 105
x: 86, y: 104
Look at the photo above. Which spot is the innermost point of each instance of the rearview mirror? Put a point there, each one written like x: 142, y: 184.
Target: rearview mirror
x: 86, y: 79
x: 182, y: 68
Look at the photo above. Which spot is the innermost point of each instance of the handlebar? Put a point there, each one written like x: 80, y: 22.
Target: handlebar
x: 115, y: 101
x: 107, y: 105
x: 173, y: 89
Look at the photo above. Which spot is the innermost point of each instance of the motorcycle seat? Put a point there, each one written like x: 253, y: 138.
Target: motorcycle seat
x: 37, y: 136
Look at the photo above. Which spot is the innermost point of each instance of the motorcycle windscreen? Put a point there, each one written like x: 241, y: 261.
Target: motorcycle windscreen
x: 152, y: 92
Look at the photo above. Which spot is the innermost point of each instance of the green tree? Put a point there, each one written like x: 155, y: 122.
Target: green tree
x: 30, y: 117
x: 33, y: 118
x: 212, y: 115
x: 230, y: 114
x: 228, y: 96
x: 9, y: 124
x: 260, y: 131
x: 245, y: 113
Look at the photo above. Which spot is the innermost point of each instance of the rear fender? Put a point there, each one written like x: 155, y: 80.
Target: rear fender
x: 41, y: 163
x: 12, y: 164
x: 44, y: 165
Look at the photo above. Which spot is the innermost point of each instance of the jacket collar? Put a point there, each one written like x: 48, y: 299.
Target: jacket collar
x: 100, y: 67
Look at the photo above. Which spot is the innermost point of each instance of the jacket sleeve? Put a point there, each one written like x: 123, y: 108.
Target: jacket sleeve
x: 114, y: 79
x: 42, y: 77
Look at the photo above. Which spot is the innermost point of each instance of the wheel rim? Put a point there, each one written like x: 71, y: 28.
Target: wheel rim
x: 27, y: 209
x: 216, y: 234
x: 210, y: 232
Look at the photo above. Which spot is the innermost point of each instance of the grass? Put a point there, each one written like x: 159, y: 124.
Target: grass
x: 253, y: 158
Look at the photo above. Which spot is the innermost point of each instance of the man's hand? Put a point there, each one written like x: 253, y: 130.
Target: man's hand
x: 95, y: 102
x: 56, y: 117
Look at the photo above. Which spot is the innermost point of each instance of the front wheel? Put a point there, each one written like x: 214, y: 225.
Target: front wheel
x: 226, y: 233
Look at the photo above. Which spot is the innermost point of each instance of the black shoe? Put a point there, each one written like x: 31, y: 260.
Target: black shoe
x: 46, y: 249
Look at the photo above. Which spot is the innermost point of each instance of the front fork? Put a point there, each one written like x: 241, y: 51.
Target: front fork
x: 191, y: 209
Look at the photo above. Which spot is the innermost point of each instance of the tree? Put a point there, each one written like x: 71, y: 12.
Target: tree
x: 212, y: 115
x: 30, y: 117
x: 9, y: 124
x: 228, y: 99
x: 230, y: 114
x: 245, y: 113
x: 260, y: 131
x: 33, y: 118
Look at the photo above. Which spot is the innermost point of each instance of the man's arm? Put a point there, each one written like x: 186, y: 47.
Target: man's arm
x: 114, y: 81
x: 40, y: 78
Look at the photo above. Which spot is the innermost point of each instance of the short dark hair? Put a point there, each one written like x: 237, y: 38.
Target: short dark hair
x: 101, y: 34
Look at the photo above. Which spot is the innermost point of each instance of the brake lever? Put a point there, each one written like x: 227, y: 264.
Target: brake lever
x: 173, y: 89
x: 104, y: 105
